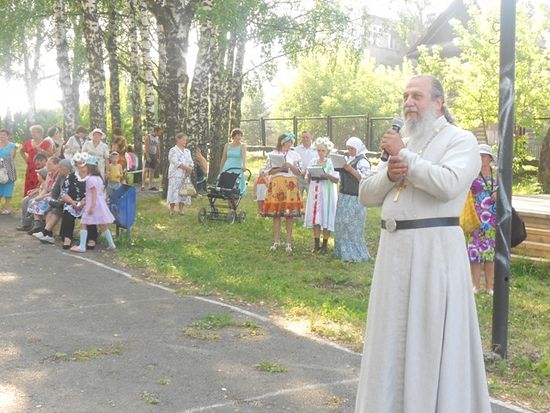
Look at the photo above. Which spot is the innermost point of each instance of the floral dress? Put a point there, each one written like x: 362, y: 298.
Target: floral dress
x: 481, y: 242
x: 177, y: 176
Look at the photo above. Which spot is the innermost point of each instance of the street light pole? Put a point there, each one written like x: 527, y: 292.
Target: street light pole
x: 505, y: 157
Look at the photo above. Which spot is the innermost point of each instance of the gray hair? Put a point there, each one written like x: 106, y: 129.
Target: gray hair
x: 37, y: 127
x: 438, y: 92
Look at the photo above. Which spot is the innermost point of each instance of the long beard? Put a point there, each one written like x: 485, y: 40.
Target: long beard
x: 417, y: 129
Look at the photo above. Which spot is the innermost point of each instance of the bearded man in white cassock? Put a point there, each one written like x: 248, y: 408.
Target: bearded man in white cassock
x: 422, y: 351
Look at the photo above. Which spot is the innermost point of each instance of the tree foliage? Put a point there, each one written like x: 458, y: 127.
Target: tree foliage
x: 340, y: 87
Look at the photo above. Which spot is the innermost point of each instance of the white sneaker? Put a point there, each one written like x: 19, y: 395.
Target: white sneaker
x: 288, y: 248
x: 475, y: 290
x: 38, y: 235
x: 47, y: 239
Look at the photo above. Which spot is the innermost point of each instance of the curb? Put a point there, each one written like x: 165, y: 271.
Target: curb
x: 500, y: 407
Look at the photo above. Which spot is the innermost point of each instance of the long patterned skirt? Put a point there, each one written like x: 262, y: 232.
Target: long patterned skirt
x: 349, y: 229
x: 283, y: 198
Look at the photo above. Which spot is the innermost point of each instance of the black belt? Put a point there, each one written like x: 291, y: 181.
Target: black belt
x: 392, y: 225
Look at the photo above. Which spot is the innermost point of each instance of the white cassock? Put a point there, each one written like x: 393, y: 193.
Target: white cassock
x: 422, y: 350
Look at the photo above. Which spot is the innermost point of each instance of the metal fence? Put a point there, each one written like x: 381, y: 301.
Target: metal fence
x: 263, y: 132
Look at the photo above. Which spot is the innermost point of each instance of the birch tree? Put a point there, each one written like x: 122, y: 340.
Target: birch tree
x: 175, y: 17
x: 63, y: 63
x: 96, y: 71
x: 111, y: 44
x: 145, y: 24
x: 134, y: 80
x: 198, y: 122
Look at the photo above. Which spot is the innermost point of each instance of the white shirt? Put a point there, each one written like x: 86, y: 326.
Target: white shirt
x: 307, y: 154
x: 291, y: 157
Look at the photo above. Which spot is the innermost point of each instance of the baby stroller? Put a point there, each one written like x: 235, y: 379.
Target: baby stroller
x: 227, y: 190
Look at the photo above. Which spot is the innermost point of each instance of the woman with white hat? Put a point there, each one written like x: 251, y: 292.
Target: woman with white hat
x: 481, y: 242
x: 99, y: 149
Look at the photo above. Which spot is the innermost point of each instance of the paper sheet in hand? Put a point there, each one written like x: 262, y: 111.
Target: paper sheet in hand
x: 338, y: 161
x: 315, y: 171
x: 277, y: 160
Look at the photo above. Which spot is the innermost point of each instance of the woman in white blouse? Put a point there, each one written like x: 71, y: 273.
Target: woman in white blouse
x: 283, y: 194
x: 180, y: 169
x: 96, y: 147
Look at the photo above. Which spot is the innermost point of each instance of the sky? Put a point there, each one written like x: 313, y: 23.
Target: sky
x: 49, y: 94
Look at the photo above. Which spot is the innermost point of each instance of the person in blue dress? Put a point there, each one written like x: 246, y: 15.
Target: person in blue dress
x: 349, y: 223
x: 234, y: 156
x: 7, y: 159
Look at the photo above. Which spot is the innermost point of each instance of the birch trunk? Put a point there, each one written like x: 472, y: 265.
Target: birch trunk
x: 96, y: 72
x: 135, y: 84
x: 144, y: 23
x: 175, y: 18
x: 197, y: 122
x: 237, y: 82
x: 63, y: 63
x: 161, y: 75
x: 114, y: 74
x: 31, y: 73
x: 218, y: 135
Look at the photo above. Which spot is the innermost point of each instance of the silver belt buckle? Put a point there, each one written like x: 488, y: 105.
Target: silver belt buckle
x: 391, y: 225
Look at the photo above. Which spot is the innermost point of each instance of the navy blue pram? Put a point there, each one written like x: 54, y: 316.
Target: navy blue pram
x: 226, y: 189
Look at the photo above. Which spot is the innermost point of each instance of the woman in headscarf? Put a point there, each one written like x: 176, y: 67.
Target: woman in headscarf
x: 349, y: 225
x: 283, y: 194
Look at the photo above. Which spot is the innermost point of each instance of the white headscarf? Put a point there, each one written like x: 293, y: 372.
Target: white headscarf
x: 357, y: 144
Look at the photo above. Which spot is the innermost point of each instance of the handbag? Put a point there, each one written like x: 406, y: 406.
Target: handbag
x: 519, y: 233
x: 187, y: 189
x: 4, y: 177
x: 469, y: 221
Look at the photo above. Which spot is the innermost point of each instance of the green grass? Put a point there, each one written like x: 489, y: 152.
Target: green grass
x: 234, y: 261
x: 328, y: 296
x: 202, y: 329
x: 271, y: 367
x: 88, y: 354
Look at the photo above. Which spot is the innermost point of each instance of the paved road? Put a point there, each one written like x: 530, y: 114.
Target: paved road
x: 78, y: 336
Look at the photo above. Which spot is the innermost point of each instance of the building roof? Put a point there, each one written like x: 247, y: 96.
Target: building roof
x: 441, y: 32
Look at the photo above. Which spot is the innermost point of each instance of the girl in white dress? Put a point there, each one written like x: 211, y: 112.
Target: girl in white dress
x: 180, y: 169
x: 322, y: 196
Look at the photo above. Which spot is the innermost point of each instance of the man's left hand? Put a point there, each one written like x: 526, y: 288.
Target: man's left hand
x: 397, y: 168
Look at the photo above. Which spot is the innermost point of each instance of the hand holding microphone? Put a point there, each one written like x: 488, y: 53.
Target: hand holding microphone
x: 391, y: 138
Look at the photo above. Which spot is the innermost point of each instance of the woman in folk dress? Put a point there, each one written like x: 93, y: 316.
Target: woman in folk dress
x: 322, y: 196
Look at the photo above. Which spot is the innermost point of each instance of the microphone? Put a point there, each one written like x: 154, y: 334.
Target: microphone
x: 396, y: 125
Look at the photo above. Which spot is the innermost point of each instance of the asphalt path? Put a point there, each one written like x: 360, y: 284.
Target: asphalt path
x: 79, y: 334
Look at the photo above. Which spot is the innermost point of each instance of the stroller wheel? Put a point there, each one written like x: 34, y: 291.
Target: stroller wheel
x: 242, y: 216
x: 202, y: 215
x: 231, y: 216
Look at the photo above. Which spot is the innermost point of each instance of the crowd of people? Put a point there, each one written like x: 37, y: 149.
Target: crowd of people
x: 65, y: 181
x: 423, y: 351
